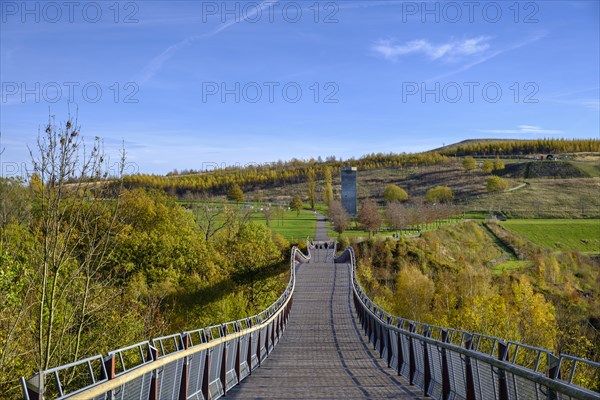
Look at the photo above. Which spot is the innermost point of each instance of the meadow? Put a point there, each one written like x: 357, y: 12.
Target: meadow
x: 559, y: 234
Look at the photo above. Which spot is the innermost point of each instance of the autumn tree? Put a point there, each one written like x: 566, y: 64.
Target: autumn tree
x: 296, y: 204
x: 469, y: 163
x: 498, y: 164
x: 487, y: 167
x: 235, y: 193
x: 311, y: 188
x: 338, y: 216
x: 439, y: 194
x: 328, y: 186
x: 496, y: 184
x: 368, y: 216
x: 417, y: 293
x: 393, y: 193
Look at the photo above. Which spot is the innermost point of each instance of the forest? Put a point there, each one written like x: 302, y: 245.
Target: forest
x: 86, y: 268
x: 450, y: 277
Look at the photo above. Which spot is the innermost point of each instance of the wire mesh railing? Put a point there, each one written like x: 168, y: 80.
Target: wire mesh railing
x: 194, y: 365
x: 449, y: 364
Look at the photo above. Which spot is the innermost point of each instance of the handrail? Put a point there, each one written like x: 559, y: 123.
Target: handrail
x: 468, y: 370
x: 253, y: 338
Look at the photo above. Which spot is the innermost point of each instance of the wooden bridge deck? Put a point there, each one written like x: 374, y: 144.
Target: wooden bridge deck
x: 323, y: 353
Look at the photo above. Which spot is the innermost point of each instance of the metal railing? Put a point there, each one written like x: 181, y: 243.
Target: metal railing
x: 200, y: 364
x: 449, y: 364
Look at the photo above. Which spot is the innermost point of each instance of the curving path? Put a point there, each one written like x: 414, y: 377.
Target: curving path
x: 322, y: 354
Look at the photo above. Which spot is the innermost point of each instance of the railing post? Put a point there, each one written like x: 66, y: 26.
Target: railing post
x: 400, y: 353
x: 238, y: 360
x: 553, y: 373
x: 259, y: 347
x: 426, y: 364
x: 445, y: 369
x: 273, y: 327
x: 502, y: 384
x: 109, y: 366
x: 185, y: 373
x: 153, y: 354
x: 469, y: 382
x: 249, y: 354
x: 223, y: 372
x: 381, y: 338
x: 412, y: 367
x: 389, y: 343
x: 206, y: 375
x: 267, y: 335
x: 33, y: 387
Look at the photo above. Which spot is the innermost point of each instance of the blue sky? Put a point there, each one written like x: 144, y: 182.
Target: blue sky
x: 197, y: 84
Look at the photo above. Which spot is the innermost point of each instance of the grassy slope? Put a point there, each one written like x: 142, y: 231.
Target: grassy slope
x: 567, y: 234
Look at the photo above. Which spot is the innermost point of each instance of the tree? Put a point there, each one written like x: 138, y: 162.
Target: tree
x: 338, y: 216
x: 296, y: 204
x: 496, y: 184
x: 498, y: 164
x: 235, y: 193
x: 328, y: 186
x: 396, y: 216
x: 393, y: 193
x: 311, y: 188
x: 74, y: 228
x: 469, y: 163
x: 417, y: 292
x: 487, y: 167
x: 439, y: 194
x: 368, y: 216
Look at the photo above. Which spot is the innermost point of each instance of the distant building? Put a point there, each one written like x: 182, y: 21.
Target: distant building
x: 349, y: 190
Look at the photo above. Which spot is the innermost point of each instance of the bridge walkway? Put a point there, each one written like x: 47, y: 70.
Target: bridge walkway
x: 323, y: 354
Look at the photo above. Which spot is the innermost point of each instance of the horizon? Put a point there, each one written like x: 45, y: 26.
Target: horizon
x: 237, y: 83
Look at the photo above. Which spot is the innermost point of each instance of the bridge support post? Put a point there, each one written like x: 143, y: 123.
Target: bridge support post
x: 273, y: 327
x: 185, y: 373
x: 426, y: 364
x: 445, y: 369
x: 470, y: 383
x: 153, y: 354
x: 502, y: 384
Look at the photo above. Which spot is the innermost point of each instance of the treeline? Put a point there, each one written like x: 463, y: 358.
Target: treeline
x: 447, y: 278
x: 523, y: 147
x: 85, y: 269
x: 217, y: 182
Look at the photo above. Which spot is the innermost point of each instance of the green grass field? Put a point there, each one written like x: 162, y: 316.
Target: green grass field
x: 510, y: 265
x: 293, y: 227
x: 559, y: 234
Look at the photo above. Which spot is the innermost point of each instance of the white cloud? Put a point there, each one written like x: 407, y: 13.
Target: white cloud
x: 524, y: 129
x: 447, y: 51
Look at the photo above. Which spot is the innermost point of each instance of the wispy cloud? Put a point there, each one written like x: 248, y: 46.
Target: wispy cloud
x: 524, y: 129
x: 448, y: 51
x: 152, y: 68
x: 488, y: 56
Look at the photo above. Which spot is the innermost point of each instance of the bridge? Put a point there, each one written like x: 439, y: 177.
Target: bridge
x: 322, y: 339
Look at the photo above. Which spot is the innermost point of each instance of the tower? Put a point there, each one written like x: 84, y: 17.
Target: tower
x: 349, y: 190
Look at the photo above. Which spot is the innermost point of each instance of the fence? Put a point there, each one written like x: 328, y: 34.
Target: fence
x: 195, y: 365
x: 450, y: 364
